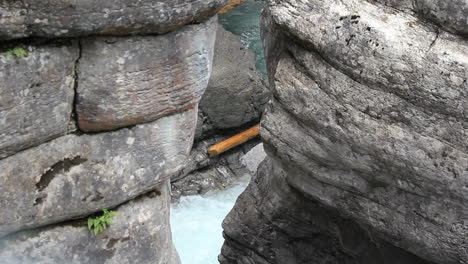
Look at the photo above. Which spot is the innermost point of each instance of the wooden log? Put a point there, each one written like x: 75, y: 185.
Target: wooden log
x: 234, y: 141
x: 230, y: 5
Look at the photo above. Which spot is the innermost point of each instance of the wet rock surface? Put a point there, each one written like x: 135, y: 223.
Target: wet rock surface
x: 70, y: 18
x: 139, y: 233
x: 126, y: 81
x: 367, y: 123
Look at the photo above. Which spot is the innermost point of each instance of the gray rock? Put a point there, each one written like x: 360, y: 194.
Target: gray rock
x: 202, y: 173
x: 140, y: 233
x: 252, y: 159
x: 236, y: 94
x: 386, y: 52
x: 36, y: 95
x: 450, y: 15
x: 368, y: 120
x: 126, y: 81
x: 77, y: 175
x: 274, y: 223
x: 69, y: 18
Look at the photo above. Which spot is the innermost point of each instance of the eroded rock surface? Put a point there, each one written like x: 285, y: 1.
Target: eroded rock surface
x: 76, y: 175
x: 233, y: 101
x: 367, y: 122
x: 126, y: 81
x: 281, y: 225
x: 140, y: 233
x: 236, y: 94
x: 98, y: 107
x: 202, y: 173
x: 69, y: 18
x: 36, y: 95
x: 450, y: 16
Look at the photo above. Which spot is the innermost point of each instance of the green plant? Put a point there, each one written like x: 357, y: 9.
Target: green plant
x: 18, y: 52
x: 9, y: 54
x: 100, y: 223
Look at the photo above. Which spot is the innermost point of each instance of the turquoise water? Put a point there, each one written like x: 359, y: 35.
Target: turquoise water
x: 196, y: 224
x: 244, y: 21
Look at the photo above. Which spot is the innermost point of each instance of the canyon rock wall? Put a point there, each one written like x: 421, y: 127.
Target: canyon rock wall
x: 92, y: 117
x: 234, y: 100
x: 365, y: 135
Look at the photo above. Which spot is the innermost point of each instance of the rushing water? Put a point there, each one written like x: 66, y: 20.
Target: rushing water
x: 196, y: 224
x: 244, y: 21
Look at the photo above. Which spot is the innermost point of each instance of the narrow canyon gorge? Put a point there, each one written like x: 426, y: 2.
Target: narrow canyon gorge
x: 108, y: 108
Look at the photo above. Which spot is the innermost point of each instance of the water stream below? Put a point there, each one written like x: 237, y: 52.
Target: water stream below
x: 196, y: 220
x: 196, y: 224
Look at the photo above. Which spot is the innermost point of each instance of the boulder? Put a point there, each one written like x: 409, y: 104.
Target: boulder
x: 127, y: 81
x: 140, y: 233
x: 37, y: 94
x: 202, y: 173
x: 77, y: 175
x: 236, y: 94
x: 69, y: 18
x: 367, y: 121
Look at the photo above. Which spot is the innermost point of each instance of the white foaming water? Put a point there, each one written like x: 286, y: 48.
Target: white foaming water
x: 196, y: 224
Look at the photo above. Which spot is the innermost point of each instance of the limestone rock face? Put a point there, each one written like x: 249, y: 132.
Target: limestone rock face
x: 140, y: 233
x: 36, y: 95
x: 234, y: 99
x: 76, y: 175
x: 450, y: 15
x: 236, y: 94
x: 70, y: 18
x: 367, y: 122
x: 281, y: 225
x: 99, y: 113
x: 126, y: 81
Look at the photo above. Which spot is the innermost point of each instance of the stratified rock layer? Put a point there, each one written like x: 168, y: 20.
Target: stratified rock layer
x: 368, y: 119
x: 77, y: 175
x: 281, y: 225
x: 140, y: 233
x: 98, y: 107
x: 126, y: 81
x: 69, y: 18
x: 450, y: 15
x: 36, y: 95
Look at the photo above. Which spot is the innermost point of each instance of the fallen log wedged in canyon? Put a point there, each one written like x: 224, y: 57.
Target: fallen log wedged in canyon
x: 234, y: 141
